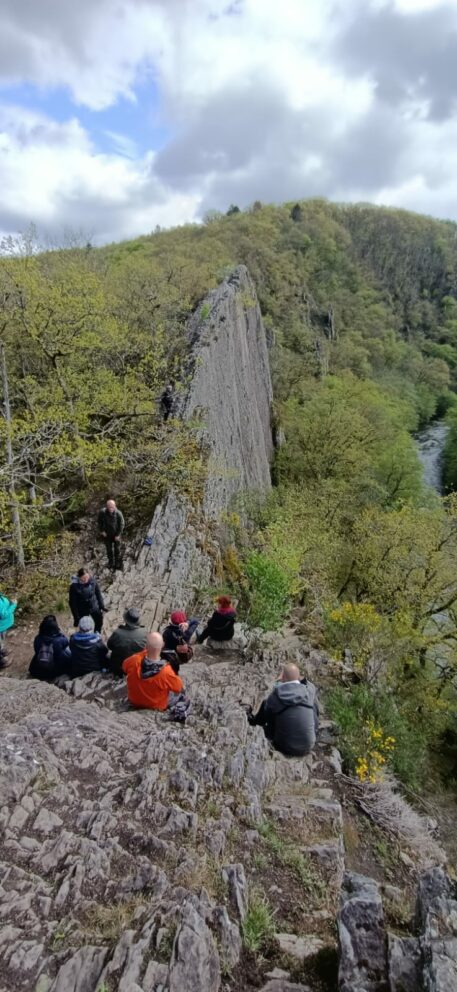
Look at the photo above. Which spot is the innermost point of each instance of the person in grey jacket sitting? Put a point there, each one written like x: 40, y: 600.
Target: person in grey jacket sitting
x: 290, y: 714
x: 127, y: 639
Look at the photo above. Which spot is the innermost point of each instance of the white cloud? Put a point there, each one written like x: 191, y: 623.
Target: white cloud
x: 52, y: 176
x: 268, y: 100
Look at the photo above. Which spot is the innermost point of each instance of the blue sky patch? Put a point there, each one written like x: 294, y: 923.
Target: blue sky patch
x: 129, y: 127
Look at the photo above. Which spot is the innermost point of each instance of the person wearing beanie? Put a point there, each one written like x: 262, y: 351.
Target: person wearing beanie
x: 179, y: 632
x: 221, y: 625
x: 51, y: 656
x: 87, y: 650
x: 127, y: 639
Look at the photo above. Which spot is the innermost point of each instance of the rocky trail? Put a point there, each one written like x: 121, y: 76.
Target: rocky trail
x: 135, y: 851
x: 138, y: 855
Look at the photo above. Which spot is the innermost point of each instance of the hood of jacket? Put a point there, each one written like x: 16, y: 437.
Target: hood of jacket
x: 150, y: 668
x: 85, y: 640
x: 291, y: 694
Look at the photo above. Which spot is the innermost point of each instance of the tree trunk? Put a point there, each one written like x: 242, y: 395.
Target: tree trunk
x: 14, y: 502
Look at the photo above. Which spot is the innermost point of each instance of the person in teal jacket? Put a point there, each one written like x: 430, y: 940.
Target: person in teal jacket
x: 7, y: 610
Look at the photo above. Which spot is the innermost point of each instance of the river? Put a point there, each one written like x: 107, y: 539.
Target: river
x: 430, y: 443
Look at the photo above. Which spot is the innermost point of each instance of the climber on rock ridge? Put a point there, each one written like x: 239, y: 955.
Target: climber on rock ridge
x: 128, y: 638
x: 151, y: 682
x: 86, y: 599
x: 221, y: 625
x: 111, y: 525
x: 289, y: 715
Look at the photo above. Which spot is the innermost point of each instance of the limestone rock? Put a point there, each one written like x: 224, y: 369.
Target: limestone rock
x: 363, y: 957
x: 300, y: 948
x: 194, y: 964
x: 282, y: 985
x: 405, y: 964
x: 235, y: 877
x: 82, y: 971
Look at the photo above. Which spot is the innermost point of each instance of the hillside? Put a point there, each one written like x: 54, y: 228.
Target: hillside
x: 139, y: 856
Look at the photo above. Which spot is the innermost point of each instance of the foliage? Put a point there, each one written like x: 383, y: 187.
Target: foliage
x: 268, y: 592
x: 258, y: 926
x: 359, y: 712
x: 377, y: 751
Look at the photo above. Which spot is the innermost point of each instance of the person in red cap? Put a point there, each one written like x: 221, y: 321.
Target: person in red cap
x: 221, y: 626
x: 177, y: 638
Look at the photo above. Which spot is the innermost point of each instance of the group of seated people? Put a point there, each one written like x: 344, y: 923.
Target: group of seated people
x: 151, y: 663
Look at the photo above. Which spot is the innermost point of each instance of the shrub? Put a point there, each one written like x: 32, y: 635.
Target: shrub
x: 358, y: 708
x: 268, y: 592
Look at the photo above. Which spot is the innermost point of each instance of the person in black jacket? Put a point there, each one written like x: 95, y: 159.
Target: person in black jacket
x: 289, y: 716
x: 111, y: 525
x: 86, y: 599
x: 166, y: 402
x: 221, y: 626
x: 87, y: 650
x: 129, y: 638
x: 51, y: 656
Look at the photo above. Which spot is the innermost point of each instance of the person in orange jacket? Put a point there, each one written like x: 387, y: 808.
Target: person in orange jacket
x: 150, y: 680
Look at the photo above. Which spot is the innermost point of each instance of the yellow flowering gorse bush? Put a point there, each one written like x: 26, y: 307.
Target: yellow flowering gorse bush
x: 379, y: 747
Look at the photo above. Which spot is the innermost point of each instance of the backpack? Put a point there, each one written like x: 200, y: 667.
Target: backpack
x: 184, y: 651
x: 45, y: 655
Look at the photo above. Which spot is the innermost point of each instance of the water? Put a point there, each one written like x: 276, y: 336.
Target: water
x: 430, y: 443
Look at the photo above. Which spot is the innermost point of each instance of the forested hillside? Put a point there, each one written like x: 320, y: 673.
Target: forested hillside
x: 361, y: 307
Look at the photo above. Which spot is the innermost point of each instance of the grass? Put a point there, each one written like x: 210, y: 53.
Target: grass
x: 289, y: 855
x: 108, y: 923
x: 258, y: 927
x: 165, y: 948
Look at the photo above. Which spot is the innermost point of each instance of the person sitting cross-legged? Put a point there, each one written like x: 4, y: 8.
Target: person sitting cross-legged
x: 151, y: 682
x: 289, y: 715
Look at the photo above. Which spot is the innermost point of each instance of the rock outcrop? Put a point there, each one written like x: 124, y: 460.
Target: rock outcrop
x: 374, y: 960
x: 230, y: 394
x: 132, y: 848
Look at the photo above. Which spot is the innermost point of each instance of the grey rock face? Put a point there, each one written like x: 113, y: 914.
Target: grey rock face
x: 235, y: 877
x: 195, y: 961
x: 405, y: 964
x: 230, y: 397
x: 437, y: 913
x: 363, y: 957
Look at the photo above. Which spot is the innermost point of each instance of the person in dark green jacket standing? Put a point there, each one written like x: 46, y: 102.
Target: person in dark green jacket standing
x: 7, y: 610
x: 111, y: 525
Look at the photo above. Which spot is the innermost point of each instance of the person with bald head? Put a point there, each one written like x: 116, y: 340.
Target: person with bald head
x: 111, y: 525
x: 151, y: 682
x: 289, y: 716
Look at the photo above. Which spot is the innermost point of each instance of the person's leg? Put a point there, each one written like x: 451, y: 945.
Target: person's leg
x: 110, y: 551
x: 117, y: 549
x: 97, y: 617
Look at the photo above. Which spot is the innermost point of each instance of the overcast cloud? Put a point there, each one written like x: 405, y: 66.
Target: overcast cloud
x: 117, y: 115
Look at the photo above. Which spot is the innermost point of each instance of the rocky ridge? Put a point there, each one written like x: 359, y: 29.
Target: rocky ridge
x: 135, y: 853
x: 229, y: 397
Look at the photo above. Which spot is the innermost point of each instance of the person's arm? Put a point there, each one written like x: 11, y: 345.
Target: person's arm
x: 101, y: 523
x: 128, y: 664
x: 99, y: 597
x: 121, y: 522
x: 175, y: 684
x: 103, y: 650
x: 111, y: 641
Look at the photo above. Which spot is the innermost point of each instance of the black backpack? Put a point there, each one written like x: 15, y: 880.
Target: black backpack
x: 45, y: 655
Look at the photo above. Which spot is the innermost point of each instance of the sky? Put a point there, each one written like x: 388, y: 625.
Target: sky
x: 120, y: 115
